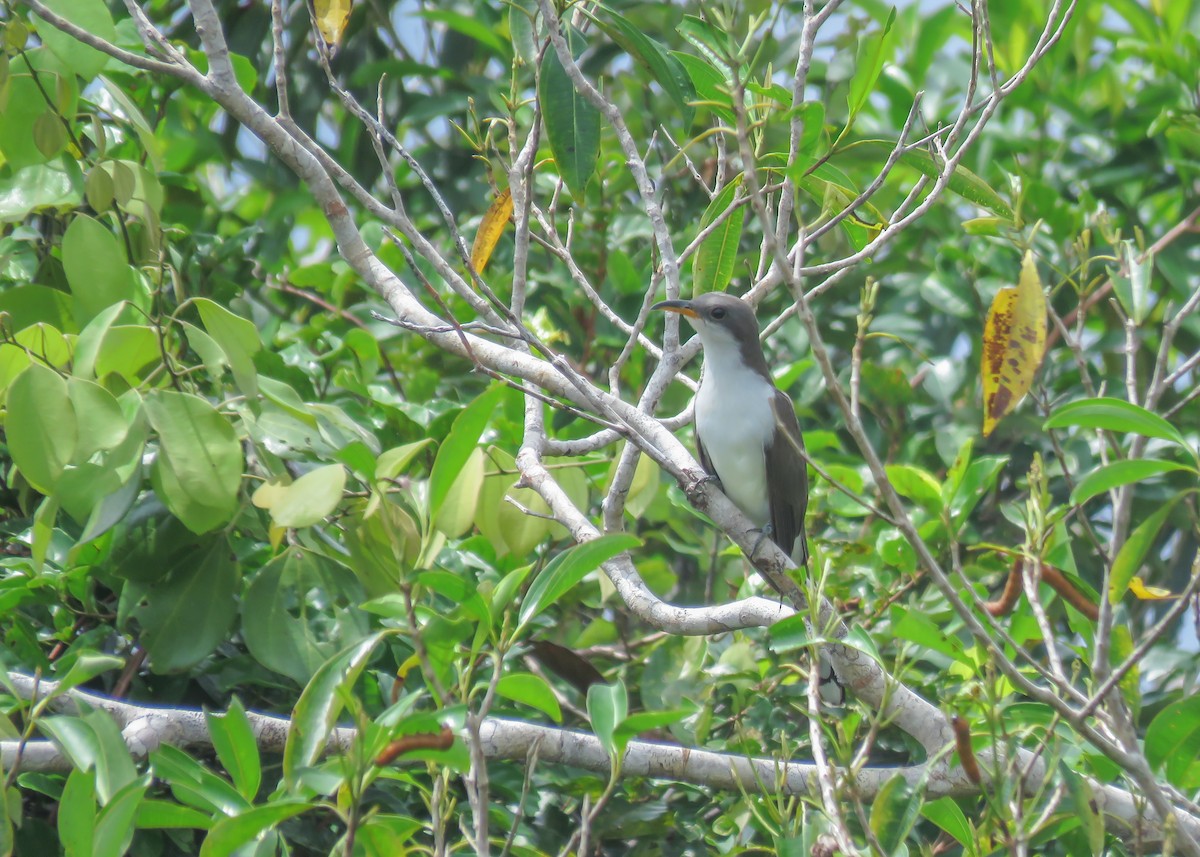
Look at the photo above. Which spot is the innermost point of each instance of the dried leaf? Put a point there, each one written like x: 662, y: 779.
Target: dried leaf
x: 1149, y: 593
x: 1014, y: 342
x: 332, y: 18
x: 490, y: 229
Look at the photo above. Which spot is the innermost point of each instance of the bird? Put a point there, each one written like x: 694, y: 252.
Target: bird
x: 747, y: 433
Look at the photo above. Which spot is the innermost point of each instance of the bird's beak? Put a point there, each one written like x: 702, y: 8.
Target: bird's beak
x: 681, y: 307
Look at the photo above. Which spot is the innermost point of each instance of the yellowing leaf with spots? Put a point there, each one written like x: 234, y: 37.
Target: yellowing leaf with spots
x: 332, y: 18
x: 490, y: 229
x: 1014, y: 342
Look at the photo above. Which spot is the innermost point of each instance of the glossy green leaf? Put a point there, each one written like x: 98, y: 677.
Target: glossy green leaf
x: 569, y: 567
x: 195, y: 785
x: 99, y: 419
x: 715, y: 258
x: 40, y: 426
x: 77, y: 813
x: 894, y: 811
x: 874, y: 49
x: 321, y: 703
x: 1131, y: 281
x: 917, y: 485
x: 917, y: 627
x: 456, y: 449
x: 946, y: 814
x: 607, y: 705
x: 230, y: 834
x: 572, y: 123
x: 90, y: 15
x: 24, y: 103
x: 233, y: 739
x: 962, y: 181
x: 1118, y: 473
x: 1173, y: 742
x: 115, y: 823
x: 96, y: 267
x: 37, y: 187
x: 1114, y: 415
x: 1129, y: 558
x: 300, y: 610
x: 532, y: 690
x: 663, y: 67
x: 238, y: 338
x: 458, y: 509
x: 310, y: 499
x: 189, y: 612
x: 167, y: 815
x: 198, y: 470
x: 85, y: 668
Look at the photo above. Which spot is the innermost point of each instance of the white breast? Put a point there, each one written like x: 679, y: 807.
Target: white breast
x: 735, y: 422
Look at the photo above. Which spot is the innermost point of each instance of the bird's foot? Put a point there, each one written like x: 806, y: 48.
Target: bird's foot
x: 693, y: 488
x: 764, y: 532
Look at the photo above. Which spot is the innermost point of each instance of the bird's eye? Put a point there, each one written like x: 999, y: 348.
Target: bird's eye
x: 718, y: 312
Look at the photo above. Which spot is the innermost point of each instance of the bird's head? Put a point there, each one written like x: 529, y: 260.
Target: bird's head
x: 723, y: 321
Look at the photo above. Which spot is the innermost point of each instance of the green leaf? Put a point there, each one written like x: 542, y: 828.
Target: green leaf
x: 193, y: 784
x: 233, y: 739
x: 873, y: 50
x: 391, y: 463
x: 532, y: 690
x: 456, y: 449
x: 100, y: 421
x: 917, y: 485
x: 713, y: 263
x: 570, y: 567
x: 115, y: 824
x: 97, y: 270
x: 40, y: 426
x: 572, y: 123
x: 24, y: 103
x: 90, y: 15
x: 947, y: 815
x: 239, y: 340
x: 299, y: 611
x: 607, y: 705
x: 167, y: 815
x: 85, y: 668
x: 894, y: 812
x: 310, y: 498
x: 1129, y: 558
x: 458, y: 509
x: 663, y: 67
x: 186, y: 615
x: 319, y: 705
x: 1131, y: 282
x: 919, y: 628
x: 37, y: 187
x: 1115, y: 415
x: 962, y: 181
x: 1083, y: 802
x: 1119, y: 473
x: 198, y: 470
x: 1173, y: 743
x: 230, y: 834
x: 77, y: 813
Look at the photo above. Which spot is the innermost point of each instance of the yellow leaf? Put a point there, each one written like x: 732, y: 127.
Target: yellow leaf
x: 1149, y: 593
x: 332, y: 17
x: 1014, y: 341
x: 490, y: 229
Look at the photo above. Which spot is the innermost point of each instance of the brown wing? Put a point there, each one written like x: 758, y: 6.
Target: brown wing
x: 787, y: 481
x: 702, y: 454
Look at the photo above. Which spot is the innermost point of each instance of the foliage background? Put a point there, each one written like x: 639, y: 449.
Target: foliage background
x: 182, y: 341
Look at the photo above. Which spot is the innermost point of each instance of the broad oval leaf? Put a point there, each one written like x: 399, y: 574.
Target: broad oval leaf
x: 607, y: 705
x: 1173, y: 742
x: 96, y: 267
x: 230, y: 834
x: 40, y: 426
x: 456, y: 449
x: 532, y: 690
x: 310, y: 498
